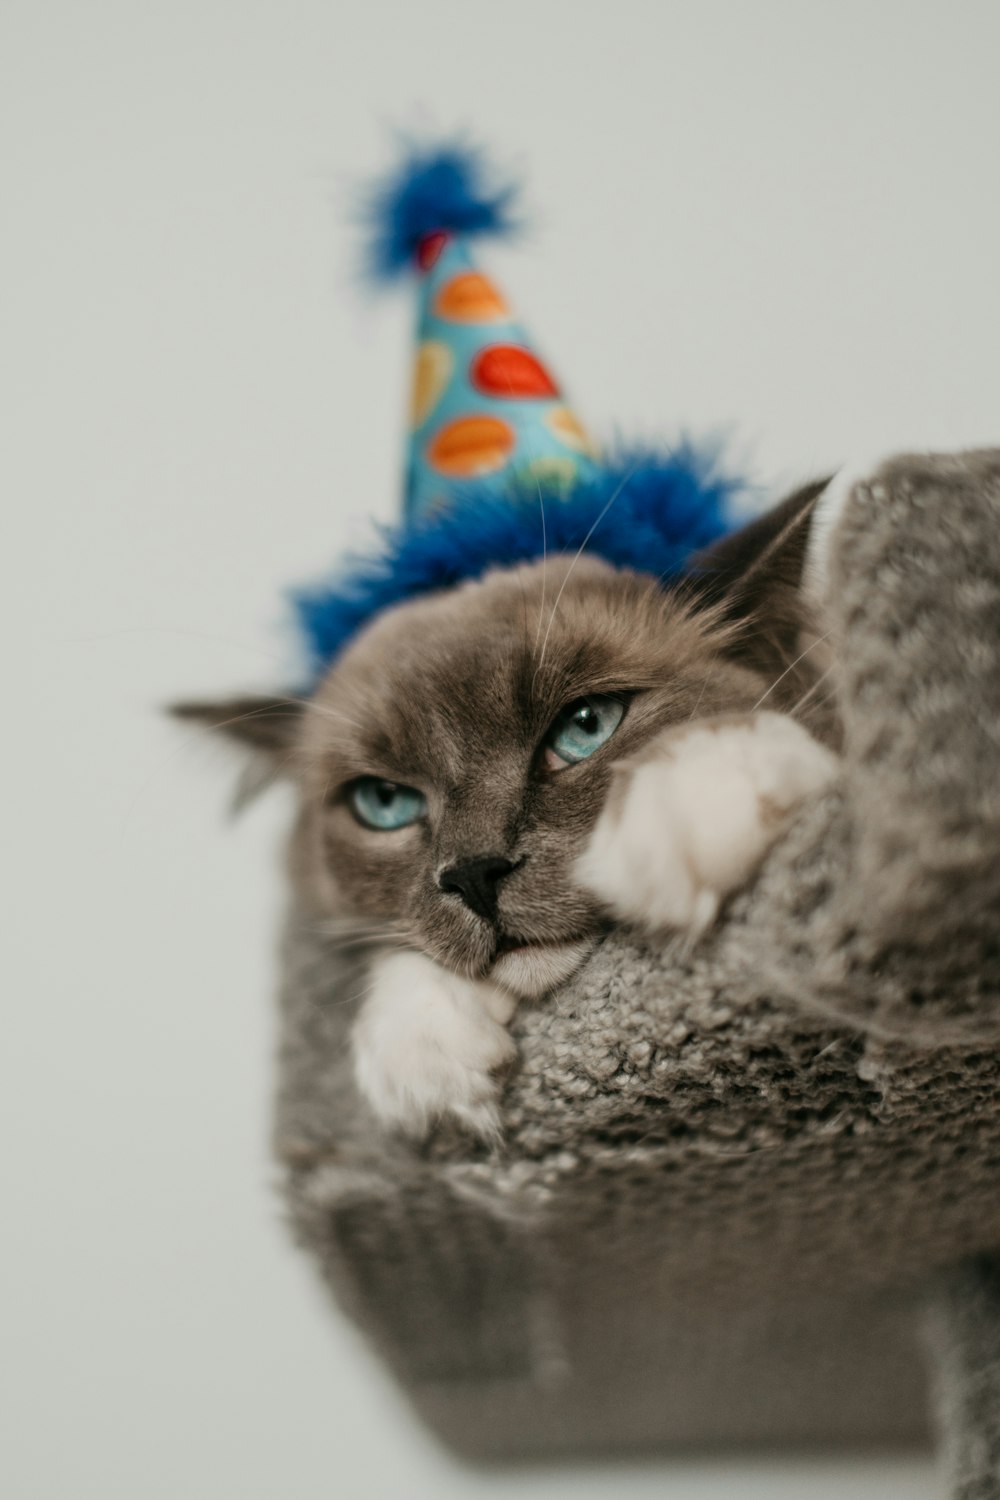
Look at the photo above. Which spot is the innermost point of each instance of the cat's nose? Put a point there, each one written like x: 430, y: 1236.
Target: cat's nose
x: 476, y: 881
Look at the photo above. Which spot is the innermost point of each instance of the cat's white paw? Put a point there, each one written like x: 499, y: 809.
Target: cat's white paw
x: 689, y: 819
x: 428, y: 1044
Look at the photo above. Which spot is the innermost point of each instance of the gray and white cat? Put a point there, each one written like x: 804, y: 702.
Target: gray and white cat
x: 488, y: 776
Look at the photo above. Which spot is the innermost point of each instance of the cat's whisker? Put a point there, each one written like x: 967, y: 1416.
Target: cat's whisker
x: 701, y: 695
x: 532, y: 438
x: 327, y: 788
x: 288, y: 700
x: 323, y: 709
x: 804, y: 699
x: 257, y: 777
x: 545, y: 561
x: 830, y: 696
x: 519, y: 570
x: 344, y: 930
x: 616, y: 493
x: 366, y: 935
x: 791, y: 666
x: 373, y: 940
x: 334, y: 927
x: 347, y: 999
x: 328, y: 713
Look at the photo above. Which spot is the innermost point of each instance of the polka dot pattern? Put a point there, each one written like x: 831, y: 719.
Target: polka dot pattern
x: 470, y: 446
x: 484, y: 406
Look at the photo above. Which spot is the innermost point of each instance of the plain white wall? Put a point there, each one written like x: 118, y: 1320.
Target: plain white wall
x: 781, y: 215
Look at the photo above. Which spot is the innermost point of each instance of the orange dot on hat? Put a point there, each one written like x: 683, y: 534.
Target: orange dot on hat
x: 509, y: 370
x: 471, y: 445
x: 470, y: 297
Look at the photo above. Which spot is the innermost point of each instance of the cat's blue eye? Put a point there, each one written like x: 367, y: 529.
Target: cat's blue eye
x: 583, y: 727
x: 385, y: 805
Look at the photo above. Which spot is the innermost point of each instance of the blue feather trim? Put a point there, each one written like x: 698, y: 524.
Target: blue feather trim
x: 643, y: 510
x: 445, y: 187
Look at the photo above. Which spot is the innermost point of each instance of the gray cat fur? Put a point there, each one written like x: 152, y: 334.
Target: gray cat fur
x: 738, y: 1184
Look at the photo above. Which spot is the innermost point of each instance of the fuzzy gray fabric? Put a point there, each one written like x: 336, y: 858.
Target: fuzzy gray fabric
x: 735, y: 1182
x: 964, y: 1328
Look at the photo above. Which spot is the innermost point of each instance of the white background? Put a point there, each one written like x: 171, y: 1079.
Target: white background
x: 779, y: 215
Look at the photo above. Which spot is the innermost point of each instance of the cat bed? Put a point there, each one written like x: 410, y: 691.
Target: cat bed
x: 747, y: 1192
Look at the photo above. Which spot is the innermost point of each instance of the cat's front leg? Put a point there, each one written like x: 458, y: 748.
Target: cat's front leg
x: 689, y: 819
x: 429, y: 1044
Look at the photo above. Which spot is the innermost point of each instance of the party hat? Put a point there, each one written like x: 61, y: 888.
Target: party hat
x: 499, y: 471
x: 485, y: 407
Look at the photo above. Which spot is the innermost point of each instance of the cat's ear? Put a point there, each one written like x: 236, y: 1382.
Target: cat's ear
x: 754, y: 579
x: 267, y: 725
x: 748, y: 572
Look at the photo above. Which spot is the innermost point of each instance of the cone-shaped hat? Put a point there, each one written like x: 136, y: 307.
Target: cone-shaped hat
x: 485, y: 407
x: 499, y: 471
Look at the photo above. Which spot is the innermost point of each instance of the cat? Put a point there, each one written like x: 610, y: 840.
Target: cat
x: 489, y: 776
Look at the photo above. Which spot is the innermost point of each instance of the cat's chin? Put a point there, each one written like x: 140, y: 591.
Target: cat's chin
x: 537, y: 968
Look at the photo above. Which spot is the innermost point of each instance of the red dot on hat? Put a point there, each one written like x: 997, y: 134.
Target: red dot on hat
x: 509, y: 370
x: 430, y: 247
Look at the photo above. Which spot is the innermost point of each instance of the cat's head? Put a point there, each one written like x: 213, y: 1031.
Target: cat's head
x: 453, y: 761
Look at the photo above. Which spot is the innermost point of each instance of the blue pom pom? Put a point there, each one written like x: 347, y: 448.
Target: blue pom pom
x: 447, y: 187
x: 643, y: 510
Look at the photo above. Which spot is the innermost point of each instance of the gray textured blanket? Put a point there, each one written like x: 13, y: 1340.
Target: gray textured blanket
x: 749, y: 1193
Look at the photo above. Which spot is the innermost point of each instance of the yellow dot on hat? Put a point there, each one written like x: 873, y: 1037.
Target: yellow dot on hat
x: 568, y: 428
x: 431, y: 372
